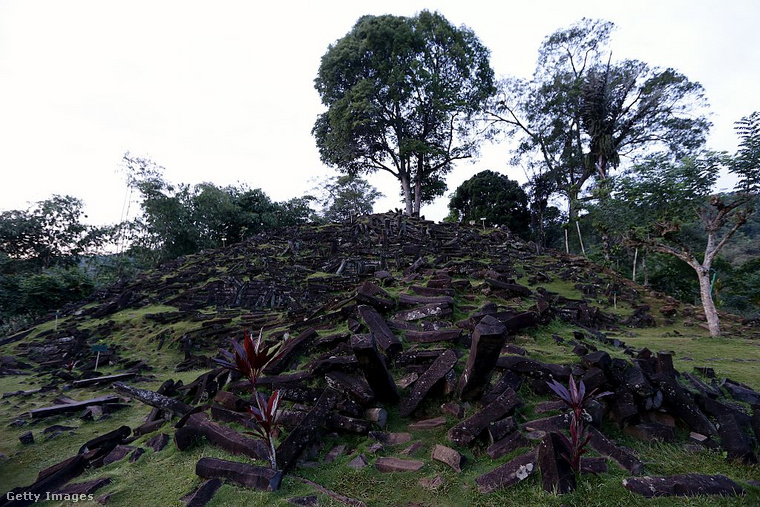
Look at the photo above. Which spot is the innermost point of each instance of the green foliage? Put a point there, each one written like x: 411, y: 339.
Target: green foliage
x: 347, y: 196
x: 494, y: 197
x: 50, y: 232
x: 401, y: 93
x: 581, y: 111
x: 179, y: 220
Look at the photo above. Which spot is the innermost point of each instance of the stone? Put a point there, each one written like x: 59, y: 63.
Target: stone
x: 427, y: 424
x: 391, y: 464
x: 200, y: 426
x: 425, y: 383
x: 353, y: 385
x: 291, y: 348
x: 557, y: 475
x: 622, y: 457
x: 594, y: 466
x: 64, y: 408
x: 432, y: 484
x: 682, y: 404
x: 334, y: 453
x: 501, y: 428
x: 441, y: 335
x: 448, y: 456
x: 117, y: 454
x: 344, y: 423
x: 26, y: 438
x: 453, y: 409
x: 136, y: 454
x: 507, y: 444
x: 243, y: 474
x: 377, y: 415
x: 84, y: 488
x: 683, y: 485
x: 371, y: 294
x: 158, y: 442
x: 508, y: 474
x: 468, y: 430
x: 650, y: 432
x: 358, y: 462
x: 390, y: 438
x: 374, y: 367
x: 734, y: 441
x: 412, y: 448
x: 307, y: 431
x: 204, y: 493
x: 438, y: 310
x: 487, y: 341
x: 386, y: 340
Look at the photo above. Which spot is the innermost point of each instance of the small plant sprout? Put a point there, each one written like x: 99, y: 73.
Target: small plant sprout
x: 71, y: 365
x: 577, y: 399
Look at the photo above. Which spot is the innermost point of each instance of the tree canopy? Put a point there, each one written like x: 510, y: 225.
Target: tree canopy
x: 494, y: 197
x: 347, y: 196
x: 583, y: 112
x: 401, y: 94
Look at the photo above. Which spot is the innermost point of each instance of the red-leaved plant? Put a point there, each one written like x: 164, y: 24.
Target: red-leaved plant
x: 265, y: 416
x: 577, y: 399
x: 249, y: 359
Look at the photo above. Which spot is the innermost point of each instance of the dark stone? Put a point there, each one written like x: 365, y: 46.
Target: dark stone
x: 71, y: 407
x: 624, y: 406
x: 447, y: 455
x: 374, y: 367
x: 594, y: 379
x: 501, y: 428
x: 622, y: 457
x: 358, y: 462
x: 84, y: 488
x: 507, y: 444
x: 377, y: 326
x: 386, y: 438
x: 468, y: 430
x: 682, y: 404
x: 593, y: 465
x: 533, y: 368
x: 198, y: 426
x: 512, y: 289
x: 427, y: 381
x: 371, y: 294
x: 741, y: 392
x: 487, y: 341
x: 353, y: 385
x: 734, y: 441
x: 390, y: 464
x: 438, y: 310
x: 557, y: 422
x: 650, y: 432
x: 696, y: 384
x: 117, y: 454
x: 26, y: 438
x: 508, y: 380
x: 412, y: 300
x: 136, y: 454
x: 683, y: 485
x: 158, y: 442
x: 716, y: 409
x: 306, y: 432
x: 636, y: 382
x: 292, y: 347
x: 204, y: 493
x: 599, y: 359
x: 243, y: 474
x: 106, y: 442
x: 508, y: 474
x: 665, y: 364
x: 441, y: 335
x: 340, y: 422
x: 557, y: 475
x: 427, y: 424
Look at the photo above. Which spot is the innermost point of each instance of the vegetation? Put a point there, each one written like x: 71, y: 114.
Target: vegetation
x: 401, y: 95
x: 492, y: 197
x: 345, y: 197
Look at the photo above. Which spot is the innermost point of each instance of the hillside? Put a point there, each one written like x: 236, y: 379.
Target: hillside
x: 425, y: 300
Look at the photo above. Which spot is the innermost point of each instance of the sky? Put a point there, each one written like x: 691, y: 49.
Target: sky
x: 223, y: 92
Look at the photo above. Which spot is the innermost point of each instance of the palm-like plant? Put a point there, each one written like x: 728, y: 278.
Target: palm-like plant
x: 250, y: 358
x: 577, y: 399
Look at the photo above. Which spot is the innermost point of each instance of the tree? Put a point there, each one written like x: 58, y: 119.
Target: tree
x: 49, y: 233
x: 582, y: 113
x: 496, y: 198
x: 664, y: 206
x: 347, y: 196
x: 401, y: 95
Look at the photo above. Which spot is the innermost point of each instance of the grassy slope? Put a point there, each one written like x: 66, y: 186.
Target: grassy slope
x: 163, y: 478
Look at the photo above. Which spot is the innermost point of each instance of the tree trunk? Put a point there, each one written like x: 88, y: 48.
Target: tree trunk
x: 705, y: 292
x: 580, y: 237
x: 407, y: 190
x: 635, y: 261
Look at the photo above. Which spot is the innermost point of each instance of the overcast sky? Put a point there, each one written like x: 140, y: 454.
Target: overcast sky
x: 223, y: 91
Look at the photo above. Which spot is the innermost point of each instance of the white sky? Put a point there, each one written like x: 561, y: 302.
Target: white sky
x: 223, y: 91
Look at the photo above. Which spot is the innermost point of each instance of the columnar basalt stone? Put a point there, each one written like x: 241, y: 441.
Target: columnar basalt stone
x: 374, y: 367
x: 306, y: 432
x: 682, y: 404
x: 386, y: 340
x: 371, y: 294
x: 508, y: 474
x: 487, y: 341
x: 204, y: 493
x: 198, y: 425
x: 469, y: 429
x: 622, y: 457
x: 430, y: 378
x: 557, y: 475
x: 243, y: 474
x: 447, y: 455
x: 353, y: 385
x: 734, y: 441
x: 507, y: 444
x: 683, y: 485
x: 292, y: 347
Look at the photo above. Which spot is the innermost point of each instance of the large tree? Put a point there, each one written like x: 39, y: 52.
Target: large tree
x: 401, y: 95
x: 669, y: 207
x: 494, y: 197
x: 347, y: 196
x: 582, y: 112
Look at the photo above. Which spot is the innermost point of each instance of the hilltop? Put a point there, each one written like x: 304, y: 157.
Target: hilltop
x: 418, y: 294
